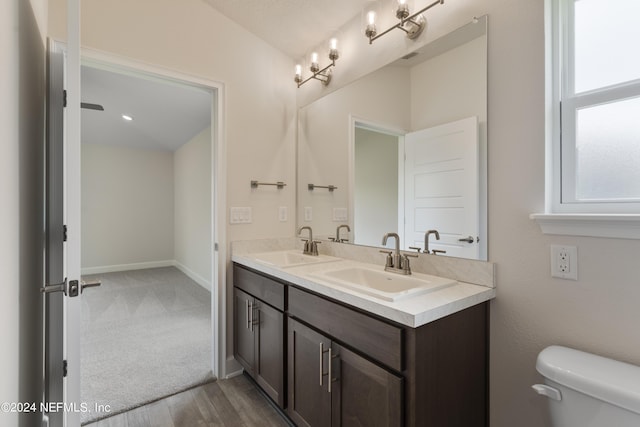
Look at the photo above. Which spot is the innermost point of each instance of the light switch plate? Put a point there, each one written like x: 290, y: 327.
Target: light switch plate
x: 240, y: 215
x: 340, y: 214
x: 282, y: 213
x: 308, y: 213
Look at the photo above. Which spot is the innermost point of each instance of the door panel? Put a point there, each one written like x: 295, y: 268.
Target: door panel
x: 309, y: 402
x: 269, y: 362
x: 54, y: 232
x: 243, y: 336
x: 364, y: 394
x: 441, y: 187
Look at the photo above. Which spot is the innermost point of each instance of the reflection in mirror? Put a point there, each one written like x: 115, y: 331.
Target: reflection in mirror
x: 357, y: 138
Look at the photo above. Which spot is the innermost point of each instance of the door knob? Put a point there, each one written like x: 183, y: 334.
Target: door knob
x: 92, y: 284
x: 469, y: 239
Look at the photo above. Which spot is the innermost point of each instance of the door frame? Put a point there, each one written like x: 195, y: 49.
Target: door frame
x: 359, y: 122
x: 92, y: 57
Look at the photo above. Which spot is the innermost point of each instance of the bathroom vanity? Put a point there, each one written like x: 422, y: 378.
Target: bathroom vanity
x: 330, y: 356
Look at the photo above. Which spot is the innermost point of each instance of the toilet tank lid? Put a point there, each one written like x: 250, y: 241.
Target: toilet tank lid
x: 609, y: 380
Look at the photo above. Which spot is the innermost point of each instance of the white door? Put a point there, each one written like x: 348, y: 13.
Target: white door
x: 441, y: 187
x: 62, y: 299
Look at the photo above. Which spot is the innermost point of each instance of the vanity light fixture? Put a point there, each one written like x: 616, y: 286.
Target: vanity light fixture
x: 324, y: 75
x: 412, y: 25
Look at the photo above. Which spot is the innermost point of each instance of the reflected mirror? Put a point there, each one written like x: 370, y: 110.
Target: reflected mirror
x: 403, y: 150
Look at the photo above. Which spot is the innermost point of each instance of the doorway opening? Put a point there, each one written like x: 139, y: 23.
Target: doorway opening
x: 149, y: 231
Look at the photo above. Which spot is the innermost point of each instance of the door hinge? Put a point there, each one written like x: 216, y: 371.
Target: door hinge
x: 64, y: 233
x: 64, y: 368
x: 64, y: 98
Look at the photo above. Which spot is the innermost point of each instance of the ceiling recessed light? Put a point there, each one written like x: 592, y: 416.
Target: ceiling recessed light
x: 127, y: 118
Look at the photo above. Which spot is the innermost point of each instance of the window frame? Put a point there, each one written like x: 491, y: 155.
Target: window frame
x: 565, y: 106
x: 610, y: 219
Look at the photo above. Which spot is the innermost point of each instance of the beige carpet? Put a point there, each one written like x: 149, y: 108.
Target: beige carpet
x: 146, y: 334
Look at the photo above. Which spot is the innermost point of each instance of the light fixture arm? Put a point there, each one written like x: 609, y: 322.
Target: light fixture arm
x: 416, y: 19
x: 324, y: 75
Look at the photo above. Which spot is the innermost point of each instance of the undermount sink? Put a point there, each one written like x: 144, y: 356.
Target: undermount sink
x: 384, y: 285
x: 290, y: 258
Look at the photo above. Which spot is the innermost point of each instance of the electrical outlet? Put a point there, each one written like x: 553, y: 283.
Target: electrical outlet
x: 564, y: 262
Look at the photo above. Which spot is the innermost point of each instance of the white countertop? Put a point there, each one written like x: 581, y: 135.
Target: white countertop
x: 413, y: 311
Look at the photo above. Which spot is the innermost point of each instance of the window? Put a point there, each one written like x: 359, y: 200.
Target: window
x: 596, y: 106
x: 593, y: 119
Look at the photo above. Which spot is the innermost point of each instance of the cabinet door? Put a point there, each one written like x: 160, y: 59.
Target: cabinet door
x: 269, y: 360
x: 243, y: 334
x: 364, y: 393
x: 309, y: 399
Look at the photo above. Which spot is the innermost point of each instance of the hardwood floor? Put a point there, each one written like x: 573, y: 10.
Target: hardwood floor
x: 235, y: 402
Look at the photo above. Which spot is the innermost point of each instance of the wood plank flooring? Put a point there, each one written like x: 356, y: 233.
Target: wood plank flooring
x: 235, y: 402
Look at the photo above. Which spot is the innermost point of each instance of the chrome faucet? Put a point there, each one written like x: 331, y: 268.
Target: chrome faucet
x: 310, y: 245
x: 426, y: 243
x: 396, y: 263
x: 337, y: 238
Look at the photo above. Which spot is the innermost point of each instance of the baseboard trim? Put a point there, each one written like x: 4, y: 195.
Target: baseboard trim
x: 193, y: 275
x: 126, y: 267
x: 233, y: 368
x: 151, y: 264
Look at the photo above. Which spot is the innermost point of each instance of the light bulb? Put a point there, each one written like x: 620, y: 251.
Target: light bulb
x: 314, y: 63
x: 371, y: 17
x: 333, y: 49
x: 298, y: 77
x: 402, y: 11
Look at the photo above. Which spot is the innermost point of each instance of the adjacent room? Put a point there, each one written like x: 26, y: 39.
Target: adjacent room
x: 146, y: 237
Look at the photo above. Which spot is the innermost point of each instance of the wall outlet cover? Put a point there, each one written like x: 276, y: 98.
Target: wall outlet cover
x: 308, y: 213
x: 564, y: 262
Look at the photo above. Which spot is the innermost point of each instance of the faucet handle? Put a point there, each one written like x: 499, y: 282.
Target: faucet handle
x: 415, y: 248
x: 406, y: 265
x: 389, y: 259
x: 438, y: 251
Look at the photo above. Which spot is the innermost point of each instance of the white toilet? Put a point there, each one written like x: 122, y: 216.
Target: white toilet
x: 586, y: 390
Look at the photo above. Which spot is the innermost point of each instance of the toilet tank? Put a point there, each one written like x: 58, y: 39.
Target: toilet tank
x: 586, y: 390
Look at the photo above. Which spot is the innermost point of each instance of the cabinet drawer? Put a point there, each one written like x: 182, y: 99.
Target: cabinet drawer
x: 375, y: 338
x: 259, y: 286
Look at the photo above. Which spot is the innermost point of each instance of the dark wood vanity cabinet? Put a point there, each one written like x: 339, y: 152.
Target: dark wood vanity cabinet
x: 329, y: 385
x: 346, y: 367
x: 259, y: 330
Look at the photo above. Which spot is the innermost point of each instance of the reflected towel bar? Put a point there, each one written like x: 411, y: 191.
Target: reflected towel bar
x: 329, y: 187
x: 279, y: 184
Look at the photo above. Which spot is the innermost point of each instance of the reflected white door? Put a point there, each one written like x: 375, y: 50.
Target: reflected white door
x: 441, y: 187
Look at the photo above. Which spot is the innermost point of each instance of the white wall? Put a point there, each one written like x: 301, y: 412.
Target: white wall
x: 22, y: 84
x: 192, y: 208
x: 450, y: 86
x: 127, y: 207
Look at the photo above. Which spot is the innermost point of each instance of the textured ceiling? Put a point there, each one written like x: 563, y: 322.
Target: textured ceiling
x: 165, y: 115
x: 292, y: 26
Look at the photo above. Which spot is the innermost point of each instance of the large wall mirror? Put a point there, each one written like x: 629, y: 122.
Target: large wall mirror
x: 404, y: 150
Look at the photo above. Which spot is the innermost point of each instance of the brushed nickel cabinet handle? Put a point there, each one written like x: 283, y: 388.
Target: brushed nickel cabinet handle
x: 329, y: 377
x: 246, y: 306
x: 320, y: 357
